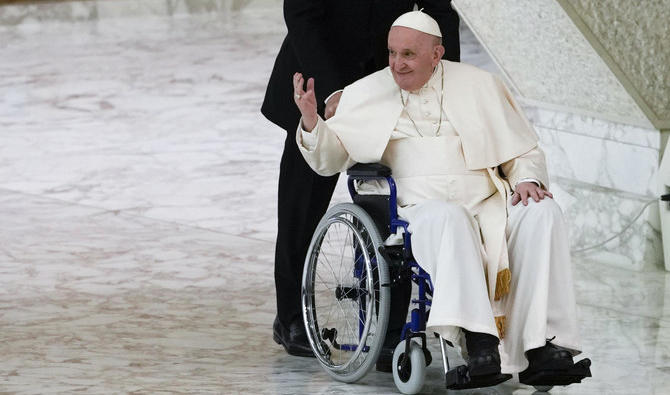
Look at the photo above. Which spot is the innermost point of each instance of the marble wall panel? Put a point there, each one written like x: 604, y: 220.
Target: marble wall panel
x: 635, y: 39
x: 599, y: 152
x: 472, y: 51
x: 600, y: 162
x: 596, y: 214
x: 546, y: 117
x: 604, y: 175
x: 547, y: 59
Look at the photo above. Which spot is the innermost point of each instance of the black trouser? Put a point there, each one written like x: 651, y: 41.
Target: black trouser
x: 303, y: 199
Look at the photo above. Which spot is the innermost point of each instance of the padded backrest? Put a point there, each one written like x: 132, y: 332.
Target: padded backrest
x: 378, y: 208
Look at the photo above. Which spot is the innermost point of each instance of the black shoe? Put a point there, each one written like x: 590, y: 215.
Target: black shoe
x: 549, y: 357
x: 552, y: 365
x: 293, y: 338
x: 483, y: 355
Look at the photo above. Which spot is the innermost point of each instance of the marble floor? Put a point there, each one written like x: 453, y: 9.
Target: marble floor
x: 137, y: 212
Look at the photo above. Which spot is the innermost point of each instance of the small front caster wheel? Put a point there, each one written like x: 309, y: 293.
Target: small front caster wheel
x: 544, y: 388
x: 409, y: 371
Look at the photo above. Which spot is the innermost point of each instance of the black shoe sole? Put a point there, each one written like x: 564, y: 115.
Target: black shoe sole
x: 574, y: 374
x: 459, y: 378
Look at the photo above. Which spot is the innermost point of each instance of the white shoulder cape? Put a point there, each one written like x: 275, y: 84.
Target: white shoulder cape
x: 490, y: 123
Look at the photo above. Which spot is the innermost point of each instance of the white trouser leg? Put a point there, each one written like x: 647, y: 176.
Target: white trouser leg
x: 446, y: 243
x: 541, y: 302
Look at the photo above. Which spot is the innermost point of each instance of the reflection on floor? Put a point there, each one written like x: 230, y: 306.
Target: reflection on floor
x: 137, y: 184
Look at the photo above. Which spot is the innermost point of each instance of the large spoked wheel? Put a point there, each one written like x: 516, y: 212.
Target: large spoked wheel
x: 345, y: 306
x: 409, y: 371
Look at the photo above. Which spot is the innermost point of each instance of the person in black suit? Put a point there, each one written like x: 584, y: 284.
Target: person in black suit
x: 337, y: 42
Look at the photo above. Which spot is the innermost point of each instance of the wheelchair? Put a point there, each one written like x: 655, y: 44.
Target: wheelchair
x: 346, y: 284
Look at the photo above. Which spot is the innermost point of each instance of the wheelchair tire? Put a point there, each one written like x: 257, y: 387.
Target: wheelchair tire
x: 345, y: 307
x: 409, y: 376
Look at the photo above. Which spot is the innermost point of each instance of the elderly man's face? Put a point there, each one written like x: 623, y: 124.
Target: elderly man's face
x: 412, y: 56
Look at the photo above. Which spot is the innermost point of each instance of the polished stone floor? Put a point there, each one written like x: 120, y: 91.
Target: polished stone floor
x: 137, y: 212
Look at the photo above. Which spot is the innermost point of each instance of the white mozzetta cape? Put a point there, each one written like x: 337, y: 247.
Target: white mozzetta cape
x: 478, y: 105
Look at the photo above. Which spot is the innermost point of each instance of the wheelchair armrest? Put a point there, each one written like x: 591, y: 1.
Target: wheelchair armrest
x: 369, y: 170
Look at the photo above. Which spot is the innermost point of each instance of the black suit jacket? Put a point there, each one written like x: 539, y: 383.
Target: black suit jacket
x: 338, y: 42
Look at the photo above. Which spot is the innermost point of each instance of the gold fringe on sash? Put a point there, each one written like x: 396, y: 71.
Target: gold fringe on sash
x: 500, y: 324
x: 502, y: 283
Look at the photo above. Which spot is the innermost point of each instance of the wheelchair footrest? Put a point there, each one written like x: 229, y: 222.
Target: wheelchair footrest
x: 574, y: 374
x: 459, y: 378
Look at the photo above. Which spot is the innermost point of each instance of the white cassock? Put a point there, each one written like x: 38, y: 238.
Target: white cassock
x: 496, y: 268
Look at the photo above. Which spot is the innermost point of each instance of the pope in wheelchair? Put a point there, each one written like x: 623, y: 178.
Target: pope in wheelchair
x: 468, y: 208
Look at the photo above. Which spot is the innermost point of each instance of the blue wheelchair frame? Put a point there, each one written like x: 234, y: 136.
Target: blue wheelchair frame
x: 419, y: 315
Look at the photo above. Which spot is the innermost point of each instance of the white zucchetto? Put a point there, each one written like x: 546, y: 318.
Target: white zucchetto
x: 420, y: 21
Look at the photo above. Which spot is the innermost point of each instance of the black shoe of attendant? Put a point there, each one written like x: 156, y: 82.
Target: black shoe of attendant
x: 483, y: 355
x: 293, y: 339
